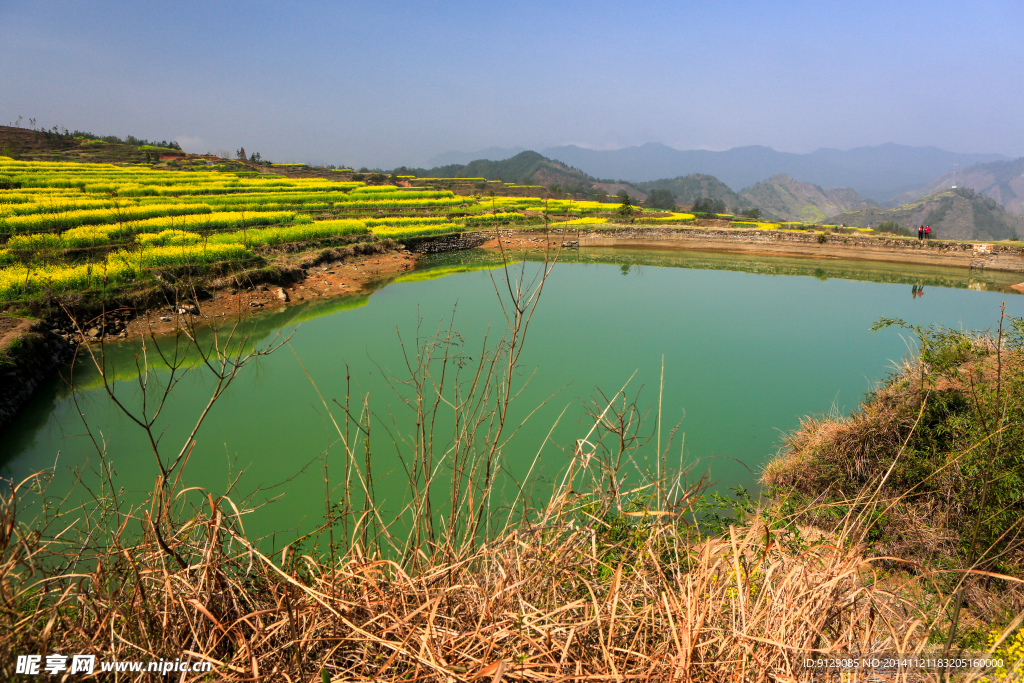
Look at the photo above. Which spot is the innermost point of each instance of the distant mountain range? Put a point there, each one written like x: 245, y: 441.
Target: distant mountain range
x: 881, y: 173
x: 780, y: 197
x: 960, y: 213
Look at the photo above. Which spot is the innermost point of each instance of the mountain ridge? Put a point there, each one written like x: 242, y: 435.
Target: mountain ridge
x: 880, y: 172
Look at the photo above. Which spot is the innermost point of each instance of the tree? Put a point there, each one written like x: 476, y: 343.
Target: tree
x: 240, y: 153
x: 661, y: 199
x: 754, y: 214
x: 709, y: 205
x: 626, y: 207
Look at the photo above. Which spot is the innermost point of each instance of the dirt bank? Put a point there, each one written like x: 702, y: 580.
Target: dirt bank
x: 350, y: 276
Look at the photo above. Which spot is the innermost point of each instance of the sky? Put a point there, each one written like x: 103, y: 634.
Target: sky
x: 386, y: 84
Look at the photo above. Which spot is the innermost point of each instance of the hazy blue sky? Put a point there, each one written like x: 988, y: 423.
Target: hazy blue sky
x: 383, y: 84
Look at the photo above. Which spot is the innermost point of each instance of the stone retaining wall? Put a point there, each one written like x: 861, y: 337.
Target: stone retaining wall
x: 434, y: 245
x: 751, y: 236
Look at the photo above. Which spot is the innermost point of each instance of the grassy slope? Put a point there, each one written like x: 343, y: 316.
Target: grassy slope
x: 952, y: 213
x: 782, y: 198
x: 1003, y: 181
x: 936, y: 459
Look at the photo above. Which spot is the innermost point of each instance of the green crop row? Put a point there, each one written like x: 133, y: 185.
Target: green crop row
x: 292, y: 233
x: 406, y: 221
x: 100, y: 235
x: 36, y: 222
x: 674, y: 218
x: 494, y: 219
x: 408, y: 232
x: 119, y: 268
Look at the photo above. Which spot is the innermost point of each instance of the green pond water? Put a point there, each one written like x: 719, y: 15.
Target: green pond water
x: 750, y: 344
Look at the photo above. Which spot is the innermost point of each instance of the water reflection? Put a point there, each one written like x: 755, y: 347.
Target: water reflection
x: 821, y: 269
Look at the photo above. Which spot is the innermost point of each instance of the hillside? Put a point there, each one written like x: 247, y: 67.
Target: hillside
x: 959, y: 213
x: 38, y: 145
x: 1003, y: 181
x: 782, y: 198
x: 690, y: 188
x: 26, y: 144
x: 525, y: 168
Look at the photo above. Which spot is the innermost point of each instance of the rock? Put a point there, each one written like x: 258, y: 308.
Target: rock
x: 165, y: 319
x: 256, y: 304
x: 281, y: 294
x: 92, y: 332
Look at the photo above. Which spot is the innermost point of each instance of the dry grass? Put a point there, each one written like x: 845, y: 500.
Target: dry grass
x: 825, y: 448
x: 551, y: 603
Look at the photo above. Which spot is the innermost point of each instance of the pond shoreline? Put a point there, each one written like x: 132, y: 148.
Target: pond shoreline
x: 976, y: 255
x: 32, y: 350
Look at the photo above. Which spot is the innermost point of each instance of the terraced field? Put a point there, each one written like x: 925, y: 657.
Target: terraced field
x: 71, y: 226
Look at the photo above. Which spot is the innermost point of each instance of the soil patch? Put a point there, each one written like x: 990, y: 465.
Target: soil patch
x: 323, y: 281
x: 11, y: 328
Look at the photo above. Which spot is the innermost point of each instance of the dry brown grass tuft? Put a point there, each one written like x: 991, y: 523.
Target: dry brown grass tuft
x: 551, y: 603
x: 826, y: 448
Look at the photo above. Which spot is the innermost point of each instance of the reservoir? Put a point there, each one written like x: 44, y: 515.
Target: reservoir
x: 731, y: 350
